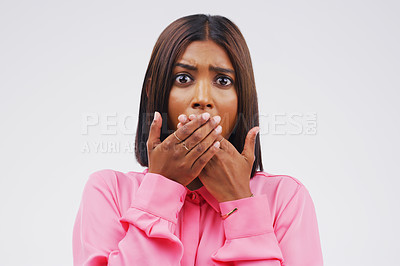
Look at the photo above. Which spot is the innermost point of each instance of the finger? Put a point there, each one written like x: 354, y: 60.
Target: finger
x: 183, y: 119
x: 201, y: 133
x: 225, y: 144
x: 205, y: 157
x: 205, y: 144
x: 249, y: 143
x: 186, y: 130
x: 191, y: 117
x: 155, y: 131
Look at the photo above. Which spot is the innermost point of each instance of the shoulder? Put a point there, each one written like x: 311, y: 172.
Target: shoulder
x: 263, y: 181
x: 113, y: 179
x: 113, y: 186
x: 280, y: 189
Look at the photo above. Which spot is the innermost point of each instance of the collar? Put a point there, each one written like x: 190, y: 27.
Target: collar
x: 209, y: 198
x: 204, y: 193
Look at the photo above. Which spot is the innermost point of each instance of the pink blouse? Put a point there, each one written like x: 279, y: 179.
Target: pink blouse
x: 147, y: 219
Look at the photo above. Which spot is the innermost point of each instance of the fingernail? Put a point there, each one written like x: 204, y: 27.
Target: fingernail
x: 155, y: 116
x: 192, y: 116
x: 182, y: 118
x: 217, y: 119
x: 218, y: 129
x: 257, y: 131
x: 205, y: 116
x: 217, y: 144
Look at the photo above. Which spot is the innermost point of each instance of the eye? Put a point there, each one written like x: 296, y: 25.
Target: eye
x: 182, y: 78
x: 224, y: 81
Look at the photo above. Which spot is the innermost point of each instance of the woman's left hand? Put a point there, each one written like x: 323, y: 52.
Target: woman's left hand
x: 227, y: 175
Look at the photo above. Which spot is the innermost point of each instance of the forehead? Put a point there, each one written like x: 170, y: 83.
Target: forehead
x: 205, y: 53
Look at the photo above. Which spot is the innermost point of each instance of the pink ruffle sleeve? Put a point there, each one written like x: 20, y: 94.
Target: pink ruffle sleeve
x: 253, y: 238
x: 143, y: 235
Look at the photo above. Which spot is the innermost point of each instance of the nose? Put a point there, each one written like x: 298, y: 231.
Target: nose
x: 202, y: 96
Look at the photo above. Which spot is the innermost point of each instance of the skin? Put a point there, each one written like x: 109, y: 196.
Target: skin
x: 204, y: 90
x: 212, y: 160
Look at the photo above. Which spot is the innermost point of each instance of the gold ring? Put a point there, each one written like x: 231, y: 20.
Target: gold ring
x: 177, y: 137
x: 221, y: 139
x: 184, y: 145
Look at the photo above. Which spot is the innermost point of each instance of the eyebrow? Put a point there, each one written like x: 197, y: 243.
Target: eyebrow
x: 213, y: 68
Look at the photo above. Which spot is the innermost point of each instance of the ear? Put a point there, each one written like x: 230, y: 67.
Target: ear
x: 148, y: 82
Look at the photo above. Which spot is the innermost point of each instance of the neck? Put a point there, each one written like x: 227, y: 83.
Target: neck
x: 195, y: 184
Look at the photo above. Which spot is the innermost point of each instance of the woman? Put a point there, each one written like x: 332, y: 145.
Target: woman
x: 201, y: 201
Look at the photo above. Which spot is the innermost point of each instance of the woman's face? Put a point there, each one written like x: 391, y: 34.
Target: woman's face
x: 204, y: 81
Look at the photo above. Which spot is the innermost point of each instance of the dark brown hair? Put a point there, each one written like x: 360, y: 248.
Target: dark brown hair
x: 158, y: 80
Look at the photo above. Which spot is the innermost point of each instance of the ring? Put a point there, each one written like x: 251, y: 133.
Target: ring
x: 221, y: 139
x: 184, y: 145
x: 177, y: 137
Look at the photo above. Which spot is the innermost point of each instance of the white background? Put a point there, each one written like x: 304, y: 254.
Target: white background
x: 339, y: 59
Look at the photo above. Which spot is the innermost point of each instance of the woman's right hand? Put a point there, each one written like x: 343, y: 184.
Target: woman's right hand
x: 171, y: 159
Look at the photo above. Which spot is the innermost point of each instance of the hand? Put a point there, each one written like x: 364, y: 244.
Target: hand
x: 171, y: 159
x: 227, y: 174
